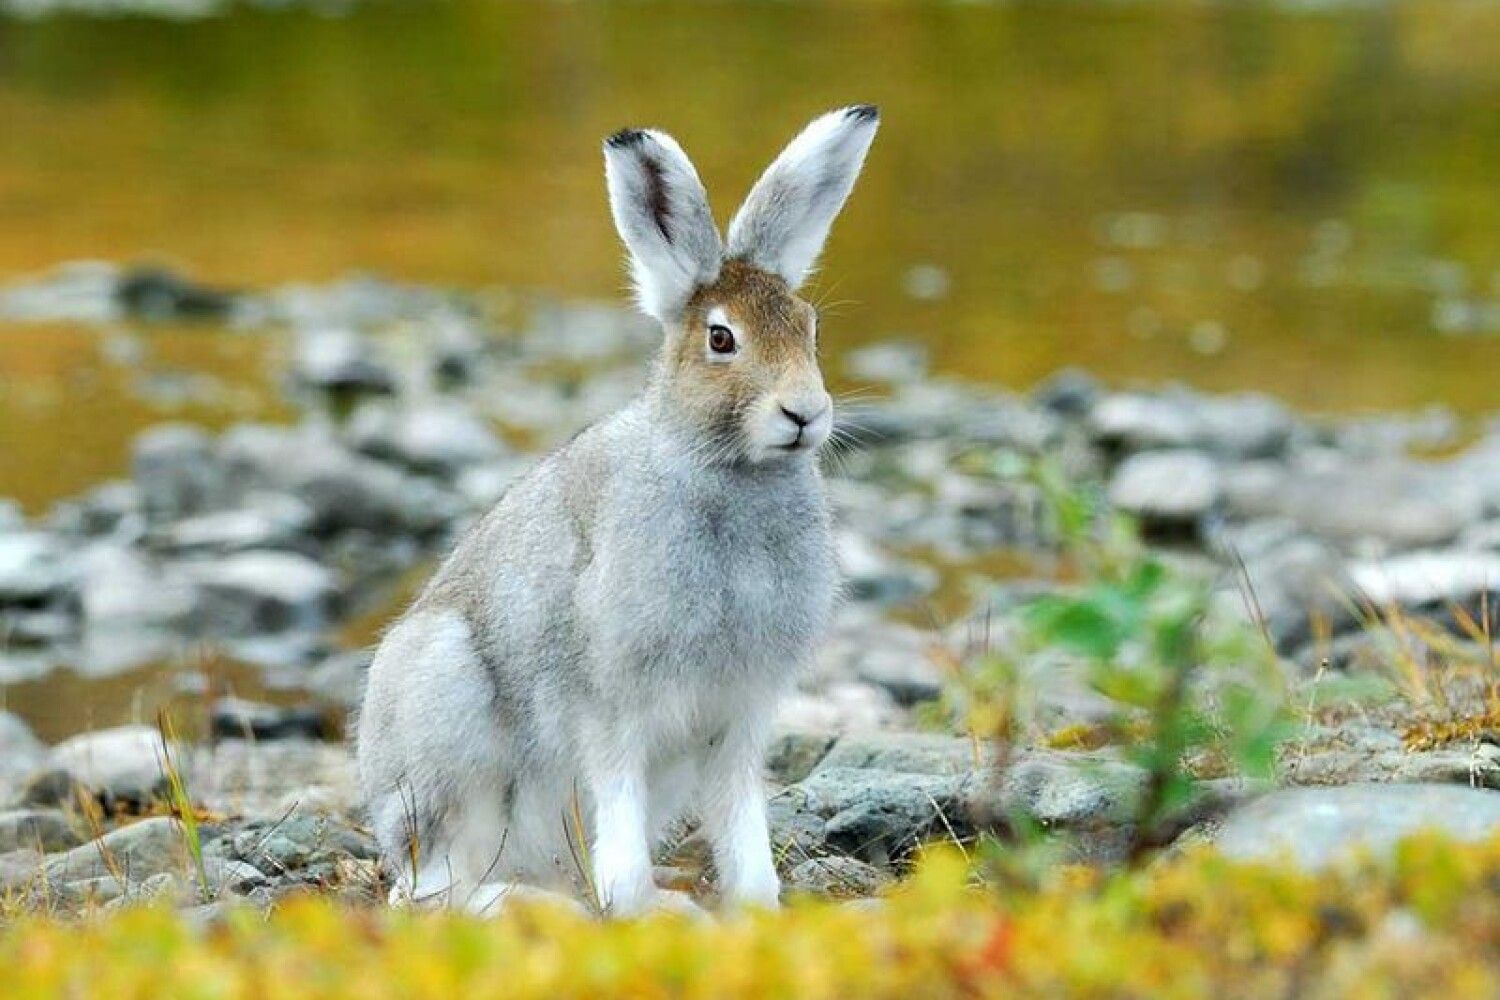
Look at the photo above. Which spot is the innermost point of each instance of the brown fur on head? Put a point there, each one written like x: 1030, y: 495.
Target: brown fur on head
x: 745, y: 399
x: 740, y: 362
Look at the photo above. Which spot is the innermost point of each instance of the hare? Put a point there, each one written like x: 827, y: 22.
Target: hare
x: 607, y: 646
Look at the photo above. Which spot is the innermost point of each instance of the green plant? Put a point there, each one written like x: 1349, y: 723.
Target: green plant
x: 179, y: 800
x: 1196, y: 690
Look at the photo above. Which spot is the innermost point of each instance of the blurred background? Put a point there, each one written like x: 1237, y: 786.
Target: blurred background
x: 1297, y: 198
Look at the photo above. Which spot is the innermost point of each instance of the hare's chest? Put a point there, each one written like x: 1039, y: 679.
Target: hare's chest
x: 721, y: 580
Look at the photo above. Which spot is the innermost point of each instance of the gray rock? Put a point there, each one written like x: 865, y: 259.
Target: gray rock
x: 1167, y: 490
x: 338, y: 359
x: 911, y: 753
x: 839, y: 707
x: 239, y: 717
x: 20, y: 750
x: 46, y: 829
x: 1317, y: 826
x: 1399, y: 504
x: 159, y: 295
x: 121, y: 587
x: 871, y: 574
x: 89, y: 892
x: 177, y: 472
x: 836, y: 876
x: 1471, y: 766
x: 1427, y: 579
x: 893, y: 361
x: 124, y: 762
x: 299, y: 843
x: 1241, y: 426
x: 267, y: 521
x: 1071, y: 392
x: 438, y: 437
x: 882, y: 815
x: 1134, y: 422
x: 19, y: 869
x: 82, y: 291
x: 34, y: 567
x: 338, y: 679
x: 256, y: 592
x: 245, y: 777
x: 136, y: 851
x: 344, y: 490
x: 1075, y: 792
x: 793, y: 754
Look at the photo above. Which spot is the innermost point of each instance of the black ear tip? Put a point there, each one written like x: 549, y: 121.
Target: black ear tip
x: 625, y: 138
x: 862, y: 113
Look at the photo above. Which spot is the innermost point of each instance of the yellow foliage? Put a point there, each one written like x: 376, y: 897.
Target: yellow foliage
x: 1425, y: 924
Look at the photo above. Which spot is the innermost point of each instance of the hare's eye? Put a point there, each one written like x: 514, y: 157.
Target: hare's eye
x: 721, y: 339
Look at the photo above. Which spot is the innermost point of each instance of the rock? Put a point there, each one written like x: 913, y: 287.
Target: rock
x: 839, y: 708
x: 120, y: 587
x: 1427, y: 579
x: 910, y: 753
x: 155, y: 294
x: 113, y: 508
x: 267, y: 521
x: 836, y: 876
x: 1470, y: 766
x: 1293, y: 585
x: 80, y: 291
x: 873, y: 575
x: 1317, y: 826
x: 438, y: 438
x: 313, y: 845
x: 256, y: 592
x: 20, y: 750
x: 177, y: 472
x: 239, y: 718
x: 340, y: 360
x: 1074, y: 792
x: 137, y: 851
x: 244, y: 777
x: 1133, y: 422
x: 1398, y: 504
x: 34, y: 568
x: 793, y: 754
x: 1242, y: 426
x: 339, y: 679
x: 123, y: 763
x: 878, y: 815
x: 888, y: 362
x: 48, y: 830
x: 19, y: 869
x: 86, y: 893
x: 1167, y: 490
x: 343, y: 490
x: 1071, y: 392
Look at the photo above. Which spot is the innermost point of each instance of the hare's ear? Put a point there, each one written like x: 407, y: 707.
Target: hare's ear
x: 661, y: 211
x: 783, y: 223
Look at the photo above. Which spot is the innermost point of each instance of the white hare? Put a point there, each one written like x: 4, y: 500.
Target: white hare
x: 611, y: 640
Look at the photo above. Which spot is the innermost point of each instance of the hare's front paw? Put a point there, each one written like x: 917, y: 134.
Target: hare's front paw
x: 655, y: 901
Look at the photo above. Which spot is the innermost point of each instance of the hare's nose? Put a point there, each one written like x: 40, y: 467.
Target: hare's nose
x: 796, y: 417
x: 800, y: 419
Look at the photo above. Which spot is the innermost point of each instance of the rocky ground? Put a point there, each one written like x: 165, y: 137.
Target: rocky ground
x: 417, y: 407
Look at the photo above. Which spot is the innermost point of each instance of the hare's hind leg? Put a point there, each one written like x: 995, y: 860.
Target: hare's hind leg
x: 434, y: 762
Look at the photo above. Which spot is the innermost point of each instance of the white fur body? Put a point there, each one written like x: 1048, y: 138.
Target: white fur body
x: 609, y: 643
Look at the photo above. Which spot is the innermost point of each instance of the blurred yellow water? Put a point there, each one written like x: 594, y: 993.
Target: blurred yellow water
x: 1234, y: 196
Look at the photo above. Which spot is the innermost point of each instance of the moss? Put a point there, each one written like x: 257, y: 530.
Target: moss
x: 1425, y: 923
x: 1429, y: 734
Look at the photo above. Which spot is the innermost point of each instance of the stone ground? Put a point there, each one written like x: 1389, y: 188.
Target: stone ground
x: 415, y: 410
